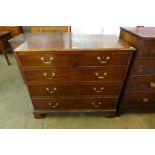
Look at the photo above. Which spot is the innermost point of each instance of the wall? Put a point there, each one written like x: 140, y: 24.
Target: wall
x: 84, y: 16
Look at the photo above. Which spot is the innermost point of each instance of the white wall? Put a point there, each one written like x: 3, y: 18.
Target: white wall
x: 111, y: 14
x: 100, y: 29
x: 85, y: 16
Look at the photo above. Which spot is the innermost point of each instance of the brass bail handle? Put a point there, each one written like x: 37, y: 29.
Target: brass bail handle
x: 96, y: 105
x: 51, y: 91
x: 98, y: 91
x: 100, y: 77
x: 145, y: 100
x: 53, y: 105
x: 152, y: 84
x: 103, y: 59
x: 49, y: 77
x: 46, y: 60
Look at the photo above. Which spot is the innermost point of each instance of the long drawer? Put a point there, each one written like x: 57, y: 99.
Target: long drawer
x: 139, y: 98
x: 144, y: 66
x: 74, y: 103
x: 148, y: 50
x: 46, y: 90
x: 51, y: 60
x: 143, y: 83
x: 89, y: 74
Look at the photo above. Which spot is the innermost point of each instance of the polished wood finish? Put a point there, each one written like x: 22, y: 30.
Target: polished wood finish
x: 71, y: 103
x: 144, y: 66
x: 4, y: 37
x: 142, y: 33
x: 61, y: 89
x: 139, y: 94
x: 34, y: 60
x: 39, y: 115
x: 65, y: 43
x: 142, y: 83
x: 119, y: 59
x: 41, y: 29
x: 66, y: 72
x: 86, y: 74
x: 148, y: 50
x: 140, y: 98
x: 14, y: 30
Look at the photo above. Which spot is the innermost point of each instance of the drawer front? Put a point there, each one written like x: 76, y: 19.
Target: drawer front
x: 104, y: 74
x: 49, y: 76
x: 144, y: 66
x: 46, y: 60
x: 139, y: 98
x: 75, y: 103
x: 36, y: 29
x: 148, y: 50
x: 141, y: 84
x: 60, y: 60
x: 106, y: 58
x: 75, y: 89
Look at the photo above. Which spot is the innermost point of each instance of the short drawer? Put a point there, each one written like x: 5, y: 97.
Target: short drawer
x: 46, y: 60
x: 142, y: 83
x: 104, y: 58
x: 139, y: 98
x: 36, y: 29
x: 93, y: 74
x: 107, y: 88
x: 72, y: 103
x: 144, y: 66
x: 148, y: 50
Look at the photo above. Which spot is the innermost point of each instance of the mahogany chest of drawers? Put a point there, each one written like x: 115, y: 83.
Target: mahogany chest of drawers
x: 139, y: 94
x: 72, y: 73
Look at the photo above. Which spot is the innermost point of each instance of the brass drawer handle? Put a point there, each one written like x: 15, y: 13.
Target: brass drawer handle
x: 98, y: 91
x: 51, y: 92
x: 152, y: 85
x: 103, y: 59
x: 96, y: 105
x: 49, y: 77
x: 53, y: 105
x: 145, y: 100
x: 101, y: 77
x: 47, y: 60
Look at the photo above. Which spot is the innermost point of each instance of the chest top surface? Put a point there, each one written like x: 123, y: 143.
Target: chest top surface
x: 68, y: 42
x: 145, y: 33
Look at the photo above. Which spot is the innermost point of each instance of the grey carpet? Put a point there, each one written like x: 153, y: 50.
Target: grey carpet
x: 16, y: 108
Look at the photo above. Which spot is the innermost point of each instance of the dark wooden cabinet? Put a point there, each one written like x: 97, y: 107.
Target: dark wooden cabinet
x: 66, y: 72
x: 38, y: 29
x: 139, y: 93
x: 4, y: 37
x: 14, y: 30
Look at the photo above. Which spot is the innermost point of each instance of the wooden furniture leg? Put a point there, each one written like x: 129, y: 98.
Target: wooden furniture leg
x: 4, y: 51
x: 38, y: 115
x: 111, y: 114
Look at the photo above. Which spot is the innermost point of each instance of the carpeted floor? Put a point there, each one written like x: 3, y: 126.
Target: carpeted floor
x: 16, y: 108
